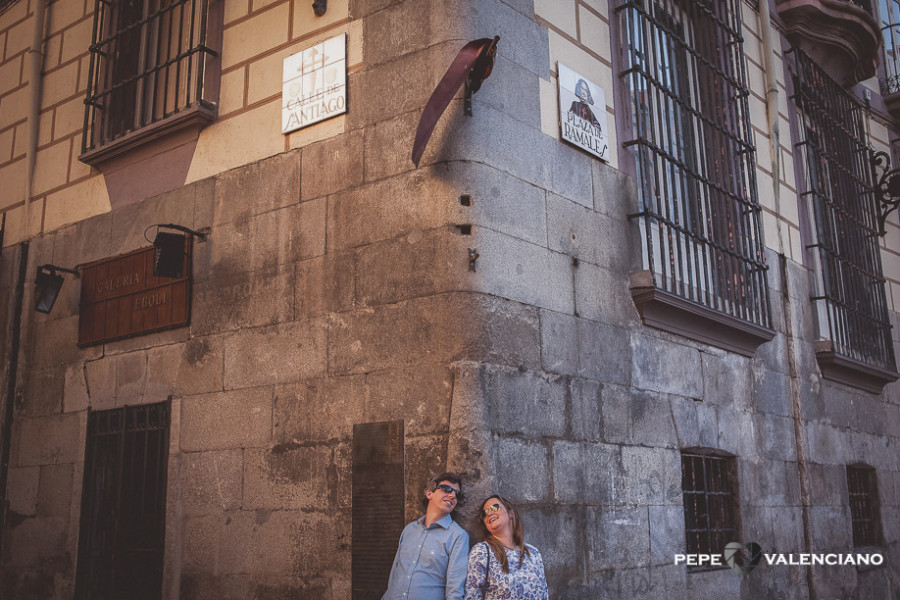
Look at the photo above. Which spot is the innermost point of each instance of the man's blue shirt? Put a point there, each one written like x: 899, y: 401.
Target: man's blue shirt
x: 430, y: 563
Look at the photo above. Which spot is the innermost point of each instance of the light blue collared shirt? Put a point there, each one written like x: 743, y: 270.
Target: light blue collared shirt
x: 430, y: 563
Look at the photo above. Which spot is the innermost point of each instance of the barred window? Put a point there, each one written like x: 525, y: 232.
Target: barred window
x: 691, y: 138
x: 837, y: 190
x: 121, y: 539
x: 5, y: 4
x: 862, y: 487
x: 152, y: 67
x: 709, y: 483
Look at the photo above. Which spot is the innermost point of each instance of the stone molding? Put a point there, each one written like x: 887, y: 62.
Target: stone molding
x: 843, y: 369
x: 197, y: 116
x: 842, y: 37
x: 668, y: 312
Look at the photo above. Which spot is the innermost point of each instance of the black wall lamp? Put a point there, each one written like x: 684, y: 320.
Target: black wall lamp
x: 319, y: 7
x: 887, y: 187
x: 47, y: 284
x: 169, y: 250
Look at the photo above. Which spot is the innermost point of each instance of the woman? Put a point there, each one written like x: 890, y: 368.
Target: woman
x: 503, y: 567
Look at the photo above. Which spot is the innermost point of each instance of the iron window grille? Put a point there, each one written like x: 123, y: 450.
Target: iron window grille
x: 5, y: 4
x: 122, y: 531
x: 862, y: 486
x: 838, y: 191
x: 889, y: 20
x: 150, y: 62
x: 709, y: 486
x: 694, y: 157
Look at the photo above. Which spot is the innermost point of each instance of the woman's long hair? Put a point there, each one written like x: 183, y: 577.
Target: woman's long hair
x: 518, y: 532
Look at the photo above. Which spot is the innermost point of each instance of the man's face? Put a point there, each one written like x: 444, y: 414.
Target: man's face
x: 581, y: 92
x: 441, y: 499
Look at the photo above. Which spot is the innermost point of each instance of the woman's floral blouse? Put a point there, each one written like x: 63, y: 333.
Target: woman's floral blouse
x: 521, y: 583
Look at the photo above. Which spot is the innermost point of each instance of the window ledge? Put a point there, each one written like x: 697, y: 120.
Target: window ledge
x: 841, y: 37
x: 668, y: 312
x: 197, y: 115
x: 840, y: 368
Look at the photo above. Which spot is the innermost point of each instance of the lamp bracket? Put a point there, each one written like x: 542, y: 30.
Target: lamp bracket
x: 200, y: 233
x: 886, y: 188
x: 52, y: 269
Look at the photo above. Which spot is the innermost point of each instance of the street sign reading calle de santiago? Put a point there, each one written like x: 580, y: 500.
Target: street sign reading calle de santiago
x: 314, y: 84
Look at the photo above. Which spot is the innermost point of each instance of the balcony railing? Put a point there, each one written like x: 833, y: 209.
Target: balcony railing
x: 889, y: 18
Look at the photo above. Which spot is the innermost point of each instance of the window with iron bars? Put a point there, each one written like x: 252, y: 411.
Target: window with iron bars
x: 691, y: 138
x: 862, y: 487
x: 4, y: 4
x: 152, y: 69
x: 889, y: 20
x: 709, y: 484
x: 837, y: 190
x: 121, y: 539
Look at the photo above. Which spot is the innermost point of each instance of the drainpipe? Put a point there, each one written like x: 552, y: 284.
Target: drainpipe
x: 36, y: 54
x: 769, y: 64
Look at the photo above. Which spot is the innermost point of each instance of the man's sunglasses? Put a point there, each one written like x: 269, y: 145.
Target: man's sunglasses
x: 449, y: 490
x: 493, y: 508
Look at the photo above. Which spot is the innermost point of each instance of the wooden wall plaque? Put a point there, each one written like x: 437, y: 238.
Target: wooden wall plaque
x: 121, y: 298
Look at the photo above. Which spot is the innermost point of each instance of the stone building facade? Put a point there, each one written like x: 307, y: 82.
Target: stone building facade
x: 681, y: 345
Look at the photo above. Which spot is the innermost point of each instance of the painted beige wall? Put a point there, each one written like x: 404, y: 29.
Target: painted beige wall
x: 65, y: 189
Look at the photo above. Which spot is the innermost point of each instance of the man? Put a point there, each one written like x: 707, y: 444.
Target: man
x: 431, y: 559
x: 582, y: 106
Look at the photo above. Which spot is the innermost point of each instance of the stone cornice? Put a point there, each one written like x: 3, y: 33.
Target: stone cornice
x: 839, y: 35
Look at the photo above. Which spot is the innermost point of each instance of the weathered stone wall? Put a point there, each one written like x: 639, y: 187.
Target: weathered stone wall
x: 588, y: 441
x: 335, y: 288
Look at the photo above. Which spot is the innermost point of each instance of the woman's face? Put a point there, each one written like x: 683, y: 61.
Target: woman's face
x: 495, y: 516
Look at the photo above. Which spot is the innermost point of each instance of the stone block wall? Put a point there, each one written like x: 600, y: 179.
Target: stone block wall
x: 336, y: 288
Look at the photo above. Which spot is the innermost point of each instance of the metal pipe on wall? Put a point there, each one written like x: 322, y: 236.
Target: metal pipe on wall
x: 769, y: 64
x: 36, y: 54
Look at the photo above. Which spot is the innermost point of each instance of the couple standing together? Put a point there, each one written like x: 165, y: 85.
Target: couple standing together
x: 433, y: 561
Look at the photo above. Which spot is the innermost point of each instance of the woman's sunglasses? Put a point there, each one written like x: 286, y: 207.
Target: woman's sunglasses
x: 493, y: 508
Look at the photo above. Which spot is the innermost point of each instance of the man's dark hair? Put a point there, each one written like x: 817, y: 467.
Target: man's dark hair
x: 433, y: 482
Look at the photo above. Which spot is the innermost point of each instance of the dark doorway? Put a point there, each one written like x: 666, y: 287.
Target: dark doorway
x: 120, y: 547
